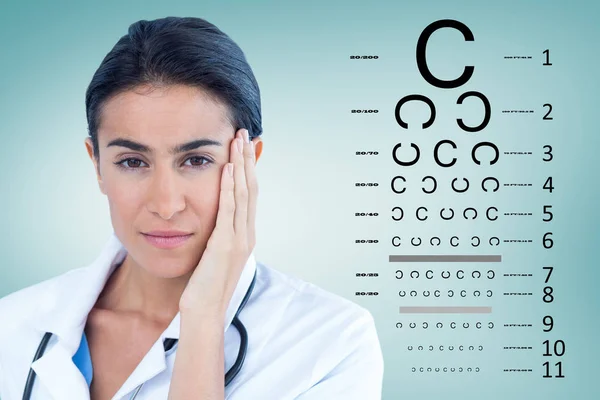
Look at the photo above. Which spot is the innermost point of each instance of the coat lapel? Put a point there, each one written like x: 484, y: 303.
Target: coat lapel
x: 57, y: 373
x: 63, y: 310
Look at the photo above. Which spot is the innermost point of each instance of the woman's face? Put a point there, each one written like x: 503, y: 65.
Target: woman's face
x: 151, y: 188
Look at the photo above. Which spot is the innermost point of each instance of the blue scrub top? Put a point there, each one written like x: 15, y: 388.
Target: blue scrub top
x: 83, y: 360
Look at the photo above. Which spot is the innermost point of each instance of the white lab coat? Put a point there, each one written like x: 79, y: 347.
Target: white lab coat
x: 304, y: 343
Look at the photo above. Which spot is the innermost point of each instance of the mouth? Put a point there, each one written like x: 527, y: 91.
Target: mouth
x: 166, y: 240
x: 168, y: 233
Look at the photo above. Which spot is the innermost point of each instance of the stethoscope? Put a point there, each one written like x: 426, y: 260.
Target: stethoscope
x: 168, y: 345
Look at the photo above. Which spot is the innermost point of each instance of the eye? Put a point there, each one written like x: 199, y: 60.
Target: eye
x: 133, y: 163
x: 198, y: 159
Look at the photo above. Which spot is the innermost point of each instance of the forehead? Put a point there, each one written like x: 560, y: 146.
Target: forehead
x: 164, y: 115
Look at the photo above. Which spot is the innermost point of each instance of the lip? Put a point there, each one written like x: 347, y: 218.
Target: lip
x: 166, y: 242
x: 167, y: 233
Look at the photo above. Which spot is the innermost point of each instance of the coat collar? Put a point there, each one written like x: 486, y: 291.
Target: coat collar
x: 63, y: 310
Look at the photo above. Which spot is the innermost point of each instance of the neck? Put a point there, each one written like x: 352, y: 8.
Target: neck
x: 132, y: 289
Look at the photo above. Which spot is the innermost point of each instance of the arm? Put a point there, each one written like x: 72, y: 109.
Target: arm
x: 199, y: 364
x: 359, y: 375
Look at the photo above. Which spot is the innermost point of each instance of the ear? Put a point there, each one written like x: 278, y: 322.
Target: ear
x: 90, y: 149
x: 258, y: 145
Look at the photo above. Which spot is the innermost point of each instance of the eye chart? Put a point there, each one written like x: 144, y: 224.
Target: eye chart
x: 457, y: 205
x: 435, y: 162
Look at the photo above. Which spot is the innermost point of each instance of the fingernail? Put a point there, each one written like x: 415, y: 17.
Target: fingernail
x: 240, y: 145
x: 230, y: 169
x: 246, y: 137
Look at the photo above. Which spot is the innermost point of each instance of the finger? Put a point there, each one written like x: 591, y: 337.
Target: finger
x: 226, y: 202
x: 241, y: 190
x: 252, y: 184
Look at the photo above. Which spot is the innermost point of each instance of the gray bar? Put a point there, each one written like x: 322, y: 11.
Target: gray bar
x: 445, y: 310
x: 445, y: 258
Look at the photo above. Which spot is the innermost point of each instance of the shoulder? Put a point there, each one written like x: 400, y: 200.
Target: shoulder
x: 330, y: 324
x: 331, y: 341
x: 18, y: 307
x: 306, y: 296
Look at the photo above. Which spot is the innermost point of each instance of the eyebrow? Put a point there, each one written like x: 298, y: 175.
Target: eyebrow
x: 180, y: 148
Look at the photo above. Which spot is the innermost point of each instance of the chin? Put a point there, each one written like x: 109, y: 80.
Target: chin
x: 168, y: 268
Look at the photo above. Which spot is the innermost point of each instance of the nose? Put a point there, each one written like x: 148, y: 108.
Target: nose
x: 165, y: 195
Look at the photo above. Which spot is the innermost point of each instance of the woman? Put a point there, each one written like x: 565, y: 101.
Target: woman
x: 171, y: 108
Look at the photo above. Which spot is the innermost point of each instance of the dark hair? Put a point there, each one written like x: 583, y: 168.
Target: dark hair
x: 177, y: 50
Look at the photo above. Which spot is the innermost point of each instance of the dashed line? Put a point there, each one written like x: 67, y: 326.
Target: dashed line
x: 517, y: 111
x: 517, y: 348
x: 517, y: 241
x: 518, y: 152
x: 517, y: 184
x: 518, y: 213
x: 517, y: 370
x: 517, y: 325
x: 518, y: 274
x: 518, y: 293
x: 516, y: 57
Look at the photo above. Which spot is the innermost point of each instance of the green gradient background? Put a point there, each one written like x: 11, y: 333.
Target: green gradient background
x: 56, y: 219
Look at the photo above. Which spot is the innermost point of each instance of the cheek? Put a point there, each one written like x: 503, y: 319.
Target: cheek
x: 121, y: 190
x: 205, y: 202
x: 123, y: 204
